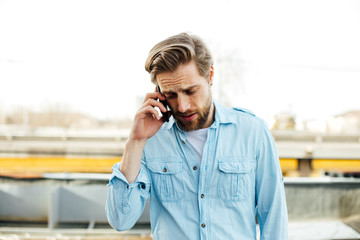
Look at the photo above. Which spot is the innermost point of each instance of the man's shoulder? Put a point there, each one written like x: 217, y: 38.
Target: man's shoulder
x: 245, y: 117
x: 225, y: 111
x: 237, y: 112
x: 241, y: 115
x: 244, y: 111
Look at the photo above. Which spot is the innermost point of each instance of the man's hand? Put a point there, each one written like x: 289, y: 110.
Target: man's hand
x: 147, y: 120
x: 146, y: 123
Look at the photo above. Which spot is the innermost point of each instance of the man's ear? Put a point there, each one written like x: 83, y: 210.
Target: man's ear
x: 211, y: 75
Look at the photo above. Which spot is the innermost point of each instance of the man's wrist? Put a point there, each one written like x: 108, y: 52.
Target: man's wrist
x: 131, y: 142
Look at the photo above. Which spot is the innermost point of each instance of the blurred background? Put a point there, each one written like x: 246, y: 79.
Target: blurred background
x: 72, y: 77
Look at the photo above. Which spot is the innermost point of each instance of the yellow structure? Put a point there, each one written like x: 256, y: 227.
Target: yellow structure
x: 35, y: 166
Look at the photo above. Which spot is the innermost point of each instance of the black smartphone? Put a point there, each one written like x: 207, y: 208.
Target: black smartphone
x: 166, y: 115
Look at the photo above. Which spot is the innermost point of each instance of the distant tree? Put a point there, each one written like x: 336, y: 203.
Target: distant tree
x: 60, y: 115
x: 284, y: 121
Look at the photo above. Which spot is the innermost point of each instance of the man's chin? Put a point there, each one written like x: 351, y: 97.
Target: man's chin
x: 187, y: 126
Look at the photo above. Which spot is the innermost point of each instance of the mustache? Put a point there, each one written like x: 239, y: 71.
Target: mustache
x: 184, y: 114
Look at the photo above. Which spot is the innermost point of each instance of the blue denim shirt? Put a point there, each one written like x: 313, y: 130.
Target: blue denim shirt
x: 239, y: 177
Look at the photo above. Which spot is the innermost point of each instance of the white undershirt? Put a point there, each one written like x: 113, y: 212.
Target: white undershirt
x: 197, y: 139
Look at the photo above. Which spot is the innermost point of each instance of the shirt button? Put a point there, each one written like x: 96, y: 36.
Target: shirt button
x: 195, y: 167
x: 164, y: 170
x: 143, y: 186
x: 202, y: 196
x: 203, y: 225
x: 183, y: 141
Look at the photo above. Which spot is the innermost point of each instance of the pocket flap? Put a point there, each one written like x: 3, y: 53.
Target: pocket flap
x: 165, y: 167
x: 236, y: 167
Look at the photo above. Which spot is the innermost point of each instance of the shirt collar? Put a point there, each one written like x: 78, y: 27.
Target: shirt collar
x: 223, y: 115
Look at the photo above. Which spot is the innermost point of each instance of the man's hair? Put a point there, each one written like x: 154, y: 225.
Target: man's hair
x: 168, y: 54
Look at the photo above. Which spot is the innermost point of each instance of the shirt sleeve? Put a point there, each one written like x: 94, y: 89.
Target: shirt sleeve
x: 270, y: 192
x: 125, y: 202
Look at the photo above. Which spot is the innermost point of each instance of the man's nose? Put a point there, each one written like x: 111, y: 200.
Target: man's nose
x: 183, y: 103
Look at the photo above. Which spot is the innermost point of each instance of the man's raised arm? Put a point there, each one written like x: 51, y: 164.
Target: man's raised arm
x: 129, y: 185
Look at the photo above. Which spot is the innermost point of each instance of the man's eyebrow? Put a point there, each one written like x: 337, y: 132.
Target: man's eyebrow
x: 190, y: 88
x: 180, y: 89
x: 166, y: 92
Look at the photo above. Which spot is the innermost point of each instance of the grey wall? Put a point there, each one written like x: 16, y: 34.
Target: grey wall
x: 57, y: 201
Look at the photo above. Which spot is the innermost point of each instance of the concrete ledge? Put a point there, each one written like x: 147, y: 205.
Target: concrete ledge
x: 320, y: 180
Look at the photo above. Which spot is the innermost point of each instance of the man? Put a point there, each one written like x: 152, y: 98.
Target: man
x: 208, y: 170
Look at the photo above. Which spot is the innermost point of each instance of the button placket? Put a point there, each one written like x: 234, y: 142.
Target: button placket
x: 206, y: 166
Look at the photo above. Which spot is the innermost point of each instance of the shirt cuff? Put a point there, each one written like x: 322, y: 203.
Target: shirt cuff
x: 117, y: 174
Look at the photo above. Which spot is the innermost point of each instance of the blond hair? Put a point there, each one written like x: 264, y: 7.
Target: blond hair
x: 168, y: 54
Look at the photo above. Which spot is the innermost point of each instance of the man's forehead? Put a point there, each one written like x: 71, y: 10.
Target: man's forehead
x: 183, y: 77
x: 171, y: 80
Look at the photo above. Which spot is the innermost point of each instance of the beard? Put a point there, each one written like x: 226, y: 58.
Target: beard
x: 198, y: 122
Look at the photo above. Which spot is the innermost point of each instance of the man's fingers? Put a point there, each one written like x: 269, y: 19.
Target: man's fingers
x: 149, y: 110
x: 154, y: 95
x: 154, y: 103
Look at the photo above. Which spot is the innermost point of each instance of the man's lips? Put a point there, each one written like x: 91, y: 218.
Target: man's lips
x: 189, y: 117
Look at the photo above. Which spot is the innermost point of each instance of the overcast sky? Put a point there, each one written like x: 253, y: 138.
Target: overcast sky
x: 270, y: 56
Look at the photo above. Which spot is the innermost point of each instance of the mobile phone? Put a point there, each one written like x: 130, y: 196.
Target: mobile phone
x: 166, y: 115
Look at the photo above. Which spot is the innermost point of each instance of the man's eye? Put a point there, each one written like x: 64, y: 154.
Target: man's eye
x: 170, y: 95
x: 190, y: 92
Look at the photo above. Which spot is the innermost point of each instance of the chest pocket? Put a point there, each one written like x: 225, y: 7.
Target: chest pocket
x: 234, y: 180
x: 167, y: 179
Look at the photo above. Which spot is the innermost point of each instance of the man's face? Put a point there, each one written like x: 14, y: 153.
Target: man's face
x: 189, y: 96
